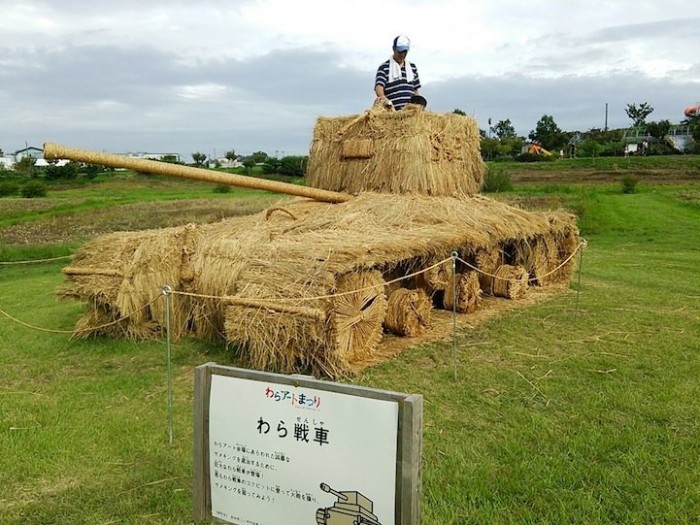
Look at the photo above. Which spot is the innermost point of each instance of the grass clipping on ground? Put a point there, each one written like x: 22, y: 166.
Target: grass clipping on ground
x: 302, y: 286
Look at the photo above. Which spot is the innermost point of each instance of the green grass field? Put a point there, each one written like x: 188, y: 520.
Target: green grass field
x: 582, y: 409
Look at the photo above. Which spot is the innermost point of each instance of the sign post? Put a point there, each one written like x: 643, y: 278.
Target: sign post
x: 272, y: 449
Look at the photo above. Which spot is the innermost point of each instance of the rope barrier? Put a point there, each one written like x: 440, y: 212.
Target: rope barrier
x: 454, y: 258
x: 74, y: 332
x: 564, y: 263
x: 319, y: 297
x: 33, y: 261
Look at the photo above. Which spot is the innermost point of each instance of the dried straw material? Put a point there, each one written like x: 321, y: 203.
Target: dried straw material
x: 356, y: 315
x: 408, y: 312
x: 265, y: 283
x: 409, y: 151
x: 435, y: 278
x: 468, y: 294
x: 357, y: 149
x: 487, y: 261
x: 510, y: 282
x: 538, y: 258
x: 133, y: 268
x: 287, y: 338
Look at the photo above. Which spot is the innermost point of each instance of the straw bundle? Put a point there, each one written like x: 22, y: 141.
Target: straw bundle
x: 565, y: 243
x: 357, y: 314
x: 487, y: 261
x: 326, y: 337
x: 510, y: 282
x: 122, y: 275
x: 538, y: 259
x: 468, y: 293
x: 357, y: 149
x: 408, y: 312
x: 435, y: 278
x: 408, y: 151
x: 267, y: 283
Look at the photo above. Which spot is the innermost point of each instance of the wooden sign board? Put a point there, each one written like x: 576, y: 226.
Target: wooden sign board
x: 272, y: 449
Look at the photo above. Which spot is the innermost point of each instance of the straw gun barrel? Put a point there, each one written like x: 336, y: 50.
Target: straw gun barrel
x: 55, y: 151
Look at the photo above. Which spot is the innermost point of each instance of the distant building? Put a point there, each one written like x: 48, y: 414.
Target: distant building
x: 154, y: 156
x: 7, y: 163
x: 226, y: 163
x: 30, y: 151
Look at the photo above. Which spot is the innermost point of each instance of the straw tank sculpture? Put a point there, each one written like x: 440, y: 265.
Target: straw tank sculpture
x: 313, y: 284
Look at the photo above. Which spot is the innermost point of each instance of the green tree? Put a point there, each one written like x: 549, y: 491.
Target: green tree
x: 293, y: 165
x: 26, y: 166
x: 249, y: 164
x: 548, y: 133
x: 199, y: 158
x: 510, y: 146
x: 259, y: 157
x: 504, y: 129
x: 694, y: 124
x: 170, y: 159
x: 231, y: 155
x: 489, y: 147
x: 55, y: 172
x: 459, y: 112
x: 590, y: 147
x: 659, y: 129
x: 639, y: 113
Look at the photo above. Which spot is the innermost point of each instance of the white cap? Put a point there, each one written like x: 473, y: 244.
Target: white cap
x: 402, y: 43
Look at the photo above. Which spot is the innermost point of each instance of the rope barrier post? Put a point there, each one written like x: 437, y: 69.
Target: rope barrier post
x: 454, y: 256
x: 167, y: 294
x: 578, y: 284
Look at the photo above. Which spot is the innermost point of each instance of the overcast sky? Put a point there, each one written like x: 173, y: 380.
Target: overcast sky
x: 210, y: 76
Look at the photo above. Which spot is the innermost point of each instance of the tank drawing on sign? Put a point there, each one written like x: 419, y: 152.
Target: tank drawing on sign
x: 352, y: 508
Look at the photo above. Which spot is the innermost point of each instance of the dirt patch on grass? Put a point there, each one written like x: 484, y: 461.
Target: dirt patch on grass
x: 596, y: 176
x: 79, y: 227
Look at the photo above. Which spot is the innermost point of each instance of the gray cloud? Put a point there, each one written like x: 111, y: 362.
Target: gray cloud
x: 136, y: 98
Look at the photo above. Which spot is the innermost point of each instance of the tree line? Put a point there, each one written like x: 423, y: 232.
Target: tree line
x: 500, y: 141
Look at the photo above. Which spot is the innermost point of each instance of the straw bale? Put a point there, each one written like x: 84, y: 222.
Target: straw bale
x: 510, y: 282
x: 408, y: 312
x: 468, y: 293
x: 417, y: 152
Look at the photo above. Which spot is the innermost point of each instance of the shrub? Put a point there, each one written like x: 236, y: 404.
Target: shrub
x: 222, y: 188
x: 533, y: 157
x: 497, y: 179
x: 33, y: 189
x: 8, y: 188
x: 629, y: 184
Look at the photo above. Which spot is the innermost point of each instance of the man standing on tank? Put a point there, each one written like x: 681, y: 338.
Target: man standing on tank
x: 397, y: 79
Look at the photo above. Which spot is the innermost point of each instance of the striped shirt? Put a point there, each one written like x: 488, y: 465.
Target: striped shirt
x: 398, y: 91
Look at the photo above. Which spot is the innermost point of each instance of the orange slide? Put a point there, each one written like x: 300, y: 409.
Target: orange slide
x: 692, y: 111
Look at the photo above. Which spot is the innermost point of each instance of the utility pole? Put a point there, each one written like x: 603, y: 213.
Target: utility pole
x: 606, y: 117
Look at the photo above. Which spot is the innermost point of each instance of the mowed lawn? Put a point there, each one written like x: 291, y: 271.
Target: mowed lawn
x: 581, y: 409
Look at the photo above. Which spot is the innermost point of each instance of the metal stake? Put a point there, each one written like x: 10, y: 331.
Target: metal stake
x: 578, y: 285
x: 454, y: 312
x: 167, y: 293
